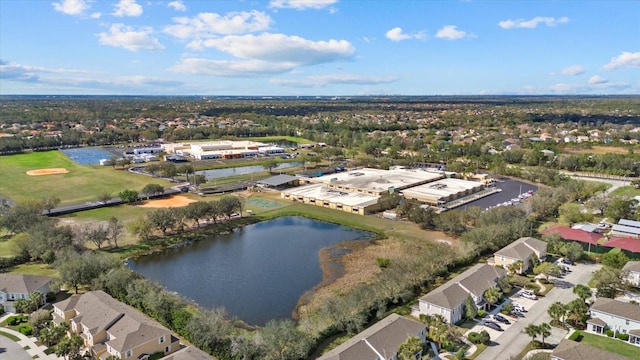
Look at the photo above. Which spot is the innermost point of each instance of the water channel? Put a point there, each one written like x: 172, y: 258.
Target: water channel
x: 257, y: 273
x: 243, y: 170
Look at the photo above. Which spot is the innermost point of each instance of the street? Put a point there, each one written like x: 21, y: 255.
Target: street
x: 511, y: 342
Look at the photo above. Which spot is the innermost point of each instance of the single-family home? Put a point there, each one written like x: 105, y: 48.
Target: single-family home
x: 188, y: 353
x: 523, y: 249
x: 380, y: 341
x: 448, y: 299
x: 112, y: 328
x: 619, y: 316
x: 573, y: 350
x: 633, y: 272
x: 15, y: 286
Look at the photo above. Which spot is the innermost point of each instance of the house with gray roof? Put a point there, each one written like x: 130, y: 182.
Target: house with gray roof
x: 448, y: 299
x: 632, y: 269
x: 572, y: 350
x: 112, y: 328
x: 626, y: 228
x: 189, y: 353
x: 619, y: 316
x: 380, y: 341
x: 17, y: 286
x: 523, y: 249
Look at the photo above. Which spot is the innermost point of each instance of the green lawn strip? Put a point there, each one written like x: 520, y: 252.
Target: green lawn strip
x: 479, y: 349
x: 295, y: 139
x: 625, y: 191
x: 612, y: 345
x: 5, y: 247
x: 10, y: 336
x: 83, y: 183
x: 34, y: 269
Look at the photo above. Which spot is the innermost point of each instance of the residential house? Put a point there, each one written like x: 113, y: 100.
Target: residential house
x: 380, y: 341
x: 448, y: 299
x: 523, y: 249
x: 111, y: 328
x: 14, y: 287
x: 573, y: 350
x: 619, y: 316
x: 188, y: 353
x: 633, y: 272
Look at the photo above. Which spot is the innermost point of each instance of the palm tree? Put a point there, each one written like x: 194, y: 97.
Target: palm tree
x: 583, y: 291
x: 557, y: 311
x: 492, y: 295
x: 516, y: 267
x: 544, y: 330
x: 576, y: 309
x: 532, y: 330
x: 36, y: 299
x: 408, y: 349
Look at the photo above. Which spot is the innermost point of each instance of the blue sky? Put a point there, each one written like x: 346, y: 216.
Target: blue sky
x: 319, y: 47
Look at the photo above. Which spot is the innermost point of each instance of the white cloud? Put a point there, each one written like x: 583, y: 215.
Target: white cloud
x: 533, y: 23
x: 282, y: 48
x: 127, y: 8
x: 231, y: 68
x: 71, y: 7
x: 626, y: 59
x: 450, y: 32
x: 95, y: 15
x: 573, y: 70
x: 301, y: 4
x: 397, y: 34
x: 595, y: 79
x: 126, y: 37
x: 177, y: 5
x: 338, y: 79
x: 206, y: 25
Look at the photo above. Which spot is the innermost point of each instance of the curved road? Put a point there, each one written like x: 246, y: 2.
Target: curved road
x: 10, y: 350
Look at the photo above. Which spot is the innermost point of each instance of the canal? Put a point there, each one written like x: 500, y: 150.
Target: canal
x: 257, y: 273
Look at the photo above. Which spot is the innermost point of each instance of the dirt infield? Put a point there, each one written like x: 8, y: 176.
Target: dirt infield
x: 51, y: 171
x: 173, y: 201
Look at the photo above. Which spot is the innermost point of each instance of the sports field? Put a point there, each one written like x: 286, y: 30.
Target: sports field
x: 82, y: 182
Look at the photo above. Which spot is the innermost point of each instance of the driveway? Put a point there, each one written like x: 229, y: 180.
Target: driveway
x: 10, y: 350
x: 511, y: 342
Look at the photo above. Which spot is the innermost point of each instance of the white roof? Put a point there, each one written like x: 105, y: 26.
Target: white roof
x: 377, y: 180
x: 441, y: 188
x: 320, y: 193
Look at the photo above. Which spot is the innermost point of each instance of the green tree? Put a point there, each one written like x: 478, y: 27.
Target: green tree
x: 544, y: 330
x: 152, y: 190
x: 128, y: 196
x: 557, y: 311
x: 284, y: 341
x: 576, y: 309
x: 532, y: 330
x: 22, y: 216
x: 583, y: 291
x: 270, y: 164
x: 115, y: 228
x: 69, y: 347
x: 410, y: 348
x: 36, y: 299
x: 615, y: 259
x: 104, y: 197
x: 142, y: 227
x: 470, y: 308
x: 50, y: 203
x: 572, y: 251
x: 621, y: 208
x: 607, y: 281
x: 492, y: 295
x: 516, y: 267
x: 547, y: 269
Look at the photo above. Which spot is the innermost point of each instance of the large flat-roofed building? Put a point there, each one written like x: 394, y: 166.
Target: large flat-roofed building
x: 376, y: 181
x: 442, y: 191
x: 224, y: 149
x: 320, y: 195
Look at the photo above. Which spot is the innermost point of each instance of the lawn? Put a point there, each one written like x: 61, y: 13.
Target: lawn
x: 612, y: 345
x: 626, y: 191
x: 34, y: 269
x: 82, y: 183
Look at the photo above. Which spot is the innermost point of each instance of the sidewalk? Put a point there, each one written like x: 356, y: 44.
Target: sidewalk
x: 34, y: 350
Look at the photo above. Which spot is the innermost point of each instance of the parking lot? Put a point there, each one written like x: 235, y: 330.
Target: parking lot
x: 512, y: 340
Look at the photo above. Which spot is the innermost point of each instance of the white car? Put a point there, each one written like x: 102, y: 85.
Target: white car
x: 518, y: 307
x: 528, y: 295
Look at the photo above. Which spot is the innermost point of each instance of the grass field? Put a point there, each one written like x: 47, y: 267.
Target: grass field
x: 81, y: 184
x: 611, y: 345
x: 598, y: 150
x: 626, y: 191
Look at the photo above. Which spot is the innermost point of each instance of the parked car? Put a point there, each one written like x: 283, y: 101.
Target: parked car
x: 492, y: 325
x: 567, y: 262
x: 518, y: 307
x: 528, y: 295
x: 501, y: 318
x: 565, y: 269
x: 517, y: 313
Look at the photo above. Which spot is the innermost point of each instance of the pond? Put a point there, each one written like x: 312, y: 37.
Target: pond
x: 257, y: 273
x: 243, y: 170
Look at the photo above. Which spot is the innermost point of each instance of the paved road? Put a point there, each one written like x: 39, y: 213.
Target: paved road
x: 615, y: 183
x: 511, y: 342
x: 10, y: 350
